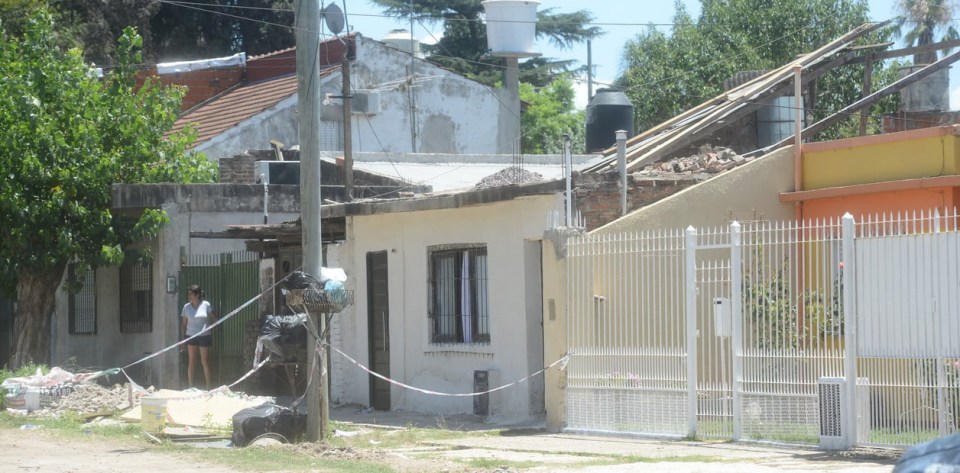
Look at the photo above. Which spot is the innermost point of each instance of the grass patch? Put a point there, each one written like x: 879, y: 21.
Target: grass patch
x: 367, y: 437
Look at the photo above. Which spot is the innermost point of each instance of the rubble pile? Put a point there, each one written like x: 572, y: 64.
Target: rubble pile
x: 90, y: 398
x: 508, y: 176
x: 708, y: 160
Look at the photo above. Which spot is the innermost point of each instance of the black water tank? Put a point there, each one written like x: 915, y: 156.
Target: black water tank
x: 609, y: 110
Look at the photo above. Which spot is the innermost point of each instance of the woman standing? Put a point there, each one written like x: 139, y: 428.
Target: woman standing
x: 197, y: 315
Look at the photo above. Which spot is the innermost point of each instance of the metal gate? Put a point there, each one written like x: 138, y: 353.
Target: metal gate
x: 228, y: 281
x: 717, y: 333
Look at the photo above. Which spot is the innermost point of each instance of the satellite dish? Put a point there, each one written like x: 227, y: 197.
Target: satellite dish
x: 333, y: 17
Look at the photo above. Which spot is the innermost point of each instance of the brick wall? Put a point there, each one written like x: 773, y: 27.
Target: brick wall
x: 597, y: 196
x: 239, y: 168
x: 201, y: 85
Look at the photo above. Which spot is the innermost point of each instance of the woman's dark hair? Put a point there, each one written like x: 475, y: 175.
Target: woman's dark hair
x: 196, y: 290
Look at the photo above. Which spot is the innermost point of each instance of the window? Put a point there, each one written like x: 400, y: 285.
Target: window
x: 136, y: 298
x: 83, y: 304
x: 458, y: 294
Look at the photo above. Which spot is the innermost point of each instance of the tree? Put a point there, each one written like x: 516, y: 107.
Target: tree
x: 68, y: 137
x: 550, y: 114
x: 665, y: 74
x: 197, y: 32
x: 463, y: 46
x: 925, y: 18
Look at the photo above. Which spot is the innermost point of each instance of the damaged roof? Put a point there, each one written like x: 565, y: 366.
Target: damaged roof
x: 698, y: 123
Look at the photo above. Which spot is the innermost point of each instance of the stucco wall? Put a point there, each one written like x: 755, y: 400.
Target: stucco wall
x: 505, y: 228
x: 452, y: 113
x: 746, y: 193
x: 275, y: 123
x: 906, y: 155
x: 110, y: 348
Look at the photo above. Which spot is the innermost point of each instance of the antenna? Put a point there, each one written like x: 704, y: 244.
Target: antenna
x: 333, y: 17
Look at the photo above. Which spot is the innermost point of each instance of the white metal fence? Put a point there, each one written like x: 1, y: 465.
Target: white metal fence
x: 763, y: 332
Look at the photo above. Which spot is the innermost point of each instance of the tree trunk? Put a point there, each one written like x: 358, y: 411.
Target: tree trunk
x: 31, y: 329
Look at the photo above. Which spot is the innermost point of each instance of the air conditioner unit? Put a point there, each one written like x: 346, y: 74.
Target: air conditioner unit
x: 277, y: 172
x: 365, y: 102
x: 834, y: 406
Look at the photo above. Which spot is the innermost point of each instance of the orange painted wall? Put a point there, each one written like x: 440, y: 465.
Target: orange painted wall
x: 881, y: 202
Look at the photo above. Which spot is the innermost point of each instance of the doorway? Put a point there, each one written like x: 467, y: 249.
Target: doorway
x: 378, y: 317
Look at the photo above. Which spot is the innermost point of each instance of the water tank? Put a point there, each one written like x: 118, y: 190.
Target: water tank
x: 511, y: 26
x: 608, y: 111
x: 404, y: 41
x: 777, y: 121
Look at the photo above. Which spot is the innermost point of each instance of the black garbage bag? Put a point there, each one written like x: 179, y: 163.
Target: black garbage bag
x: 940, y: 455
x: 284, y: 335
x: 301, y: 280
x: 252, y: 422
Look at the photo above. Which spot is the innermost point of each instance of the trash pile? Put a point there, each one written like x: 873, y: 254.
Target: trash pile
x: 508, y: 176
x: 708, y: 160
x: 92, y: 399
x: 47, y: 391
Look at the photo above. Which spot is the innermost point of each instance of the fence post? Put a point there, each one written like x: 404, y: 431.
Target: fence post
x: 691, y: 293
x: 850, y: 329
x: 736, y: 306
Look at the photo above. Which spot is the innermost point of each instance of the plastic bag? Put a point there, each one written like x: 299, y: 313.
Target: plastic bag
x: 284, y: 335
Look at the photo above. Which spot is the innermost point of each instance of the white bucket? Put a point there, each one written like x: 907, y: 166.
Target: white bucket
x: 153, y: 413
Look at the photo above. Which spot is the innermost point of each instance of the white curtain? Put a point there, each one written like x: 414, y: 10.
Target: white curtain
x: 466, y: 316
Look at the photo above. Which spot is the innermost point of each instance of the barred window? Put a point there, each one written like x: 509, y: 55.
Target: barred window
x: 83, y: 304
x: 136, y: 298
x: 458, y: 295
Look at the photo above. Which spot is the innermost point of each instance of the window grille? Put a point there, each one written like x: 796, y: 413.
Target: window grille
x: 136, y: 298
x: 458, y: 296
x: 83, y: 304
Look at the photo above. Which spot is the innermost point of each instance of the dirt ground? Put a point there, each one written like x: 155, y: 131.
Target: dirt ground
x: 41, y: 451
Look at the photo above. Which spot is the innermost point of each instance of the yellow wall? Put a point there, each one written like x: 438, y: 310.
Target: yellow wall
x: 881, y: 158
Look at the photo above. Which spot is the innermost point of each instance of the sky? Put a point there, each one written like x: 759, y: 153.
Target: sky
x: 620, y: 20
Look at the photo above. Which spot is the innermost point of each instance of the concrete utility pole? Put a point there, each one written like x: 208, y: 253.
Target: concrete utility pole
x: 308, y: 102
x: 347, y: 127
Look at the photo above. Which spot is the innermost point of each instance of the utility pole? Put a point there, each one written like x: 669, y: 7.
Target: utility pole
x: 308, y: 102
x: 347, y: 124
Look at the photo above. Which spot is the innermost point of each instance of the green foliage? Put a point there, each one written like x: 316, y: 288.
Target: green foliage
x: 925, y: 18
x: 775, y: 314
x: 666, y: 74
x: 550, y: 114
x: 463, y: 46
x: 67, y: 138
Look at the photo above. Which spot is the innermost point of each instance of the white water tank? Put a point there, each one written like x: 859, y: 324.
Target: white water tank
x: 511, y: 27
x: 404, y: 41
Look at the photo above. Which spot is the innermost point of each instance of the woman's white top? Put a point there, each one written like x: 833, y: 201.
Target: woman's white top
x: 196, y: 317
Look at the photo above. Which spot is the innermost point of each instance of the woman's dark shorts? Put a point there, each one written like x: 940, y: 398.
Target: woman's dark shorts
x: 201, y: 341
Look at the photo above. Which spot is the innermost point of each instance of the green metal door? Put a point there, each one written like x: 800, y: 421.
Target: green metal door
x: 228, y: 281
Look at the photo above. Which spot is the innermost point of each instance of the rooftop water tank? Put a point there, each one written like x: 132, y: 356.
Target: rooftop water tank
x: 511, y: 27
x: 608, y: 111
x: 404, y: 41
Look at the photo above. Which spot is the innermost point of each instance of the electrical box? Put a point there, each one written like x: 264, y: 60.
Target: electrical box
x: 722, y: 317
x: 365, y: 102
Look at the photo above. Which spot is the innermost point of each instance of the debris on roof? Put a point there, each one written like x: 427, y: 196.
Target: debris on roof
x: 708, y: 160
x: 508, y: 176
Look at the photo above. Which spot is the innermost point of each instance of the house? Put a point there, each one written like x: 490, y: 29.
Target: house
x: 401, y: 104
x: 447, y: 299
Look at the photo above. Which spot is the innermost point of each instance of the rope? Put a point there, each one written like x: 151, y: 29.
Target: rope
x: 562, y: 362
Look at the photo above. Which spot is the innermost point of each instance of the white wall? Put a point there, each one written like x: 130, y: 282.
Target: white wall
x: 505, y: 228
x: 452, y: 113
